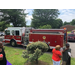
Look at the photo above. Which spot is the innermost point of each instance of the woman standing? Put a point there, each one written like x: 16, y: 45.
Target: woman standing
x: 56, y: 57
x: 3, y: 60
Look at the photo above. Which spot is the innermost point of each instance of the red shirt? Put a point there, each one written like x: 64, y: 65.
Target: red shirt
x: 56, y: 54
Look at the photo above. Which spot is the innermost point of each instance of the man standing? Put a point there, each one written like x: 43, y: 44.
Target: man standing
x: 65, y: 57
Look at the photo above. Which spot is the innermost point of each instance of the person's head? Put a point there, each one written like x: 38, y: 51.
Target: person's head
x: 1, y: 45
x: 67, y: 45
x: 57, y: 47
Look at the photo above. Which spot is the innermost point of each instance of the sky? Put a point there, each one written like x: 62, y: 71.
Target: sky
x: 65, y: 15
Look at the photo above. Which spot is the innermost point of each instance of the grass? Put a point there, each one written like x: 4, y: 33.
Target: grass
x: 14, y: 56
x: 46, y: 58
x: 68, y: 32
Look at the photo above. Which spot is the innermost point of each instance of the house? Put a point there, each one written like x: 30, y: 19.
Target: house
x: 69, y: 27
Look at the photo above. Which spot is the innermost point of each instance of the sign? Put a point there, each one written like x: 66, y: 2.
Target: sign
x: 44, y: 37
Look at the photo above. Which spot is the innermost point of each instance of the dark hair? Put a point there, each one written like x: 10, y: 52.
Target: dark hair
x: 67, y: 44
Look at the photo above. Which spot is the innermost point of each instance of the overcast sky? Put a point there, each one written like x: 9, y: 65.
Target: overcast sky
x: 65, y: 15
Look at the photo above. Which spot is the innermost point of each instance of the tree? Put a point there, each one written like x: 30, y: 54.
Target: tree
x: 66, y: 23
x: 15, y: 16
x: 73, y: 22
x: 59, y: 23
x: 45, y: 27
x: 3, y: 25
x: 43, y: 17
x: 34, y: 51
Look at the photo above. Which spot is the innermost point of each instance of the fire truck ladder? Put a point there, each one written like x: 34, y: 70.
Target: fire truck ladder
x: 26, y: 39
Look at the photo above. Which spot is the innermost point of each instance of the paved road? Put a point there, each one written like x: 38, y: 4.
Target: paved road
x: 72, y: 46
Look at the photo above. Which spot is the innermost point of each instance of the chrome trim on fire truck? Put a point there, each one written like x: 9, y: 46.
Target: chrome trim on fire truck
x: 10, y: 39
x: 47, y: 33
x: 6, y: 39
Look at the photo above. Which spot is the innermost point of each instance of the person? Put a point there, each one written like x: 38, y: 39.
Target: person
x: 72, y: 32
x: 65, y: 57
x: 56, y: 56
x: 65, y: 38
x: 3, y: 60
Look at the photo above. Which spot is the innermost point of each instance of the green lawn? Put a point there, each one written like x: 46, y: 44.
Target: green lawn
x: 68, y: 32
x: 14, y: 56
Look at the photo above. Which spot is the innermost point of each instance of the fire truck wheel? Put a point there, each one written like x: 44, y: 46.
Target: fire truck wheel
x: 13, y: 43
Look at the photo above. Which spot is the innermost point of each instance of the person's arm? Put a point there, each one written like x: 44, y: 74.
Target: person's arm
x: 64, y: 50
x: 60, y: 54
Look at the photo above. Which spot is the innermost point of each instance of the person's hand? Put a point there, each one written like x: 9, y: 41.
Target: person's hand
x: 1, y: 57
x: 66, y: 48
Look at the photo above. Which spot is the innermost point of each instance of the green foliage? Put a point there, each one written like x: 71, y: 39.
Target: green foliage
x: 43, y: 17
x: 33, y: 46
x: 15, y: 16
x: 67, y: 23
x: 59, y: 23
x: 73, y: 22
x: 34, y: 51
x: 45, y: 27
x: 3, y: 25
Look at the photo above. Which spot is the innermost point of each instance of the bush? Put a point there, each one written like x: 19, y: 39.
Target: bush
x: 34, y: 51
x: 45, y: 27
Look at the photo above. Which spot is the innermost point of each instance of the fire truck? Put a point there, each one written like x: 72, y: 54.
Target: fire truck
x: 25, y: 35
x: 17, y: 35
x: 52, y: 37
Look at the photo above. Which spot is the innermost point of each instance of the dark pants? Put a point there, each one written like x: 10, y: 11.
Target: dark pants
x: 68, y: 61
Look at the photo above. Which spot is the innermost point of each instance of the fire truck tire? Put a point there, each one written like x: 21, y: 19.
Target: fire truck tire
x: 13, y: 43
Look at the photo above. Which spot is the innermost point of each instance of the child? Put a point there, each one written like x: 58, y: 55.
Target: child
x: 56, y: 57
x: 66, y: 59
x: 2, y: 55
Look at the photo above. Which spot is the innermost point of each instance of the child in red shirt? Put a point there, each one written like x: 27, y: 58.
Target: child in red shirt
x: 56, y: 57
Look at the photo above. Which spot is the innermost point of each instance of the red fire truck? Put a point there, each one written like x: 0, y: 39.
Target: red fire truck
x: 25, y: 35
x: 17, y: 35
x: 52, y: 37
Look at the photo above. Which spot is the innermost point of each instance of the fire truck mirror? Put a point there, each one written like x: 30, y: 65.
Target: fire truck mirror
x: 55, y: 41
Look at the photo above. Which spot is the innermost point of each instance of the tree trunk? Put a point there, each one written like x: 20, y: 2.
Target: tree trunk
x: 37, y: 61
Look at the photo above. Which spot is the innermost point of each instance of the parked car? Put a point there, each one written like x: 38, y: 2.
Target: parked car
x: 71, y: 37
x: 1, y: 33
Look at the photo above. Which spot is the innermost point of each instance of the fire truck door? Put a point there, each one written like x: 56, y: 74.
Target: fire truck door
x: 7, y: 32
x: 53, y: 40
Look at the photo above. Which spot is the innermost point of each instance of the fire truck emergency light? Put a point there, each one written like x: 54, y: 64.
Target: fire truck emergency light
x: 64, y: 28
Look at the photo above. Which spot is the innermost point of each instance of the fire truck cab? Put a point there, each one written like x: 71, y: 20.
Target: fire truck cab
x: 17, y: 35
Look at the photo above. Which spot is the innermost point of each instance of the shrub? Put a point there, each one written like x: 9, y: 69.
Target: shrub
x: 34, y: 51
